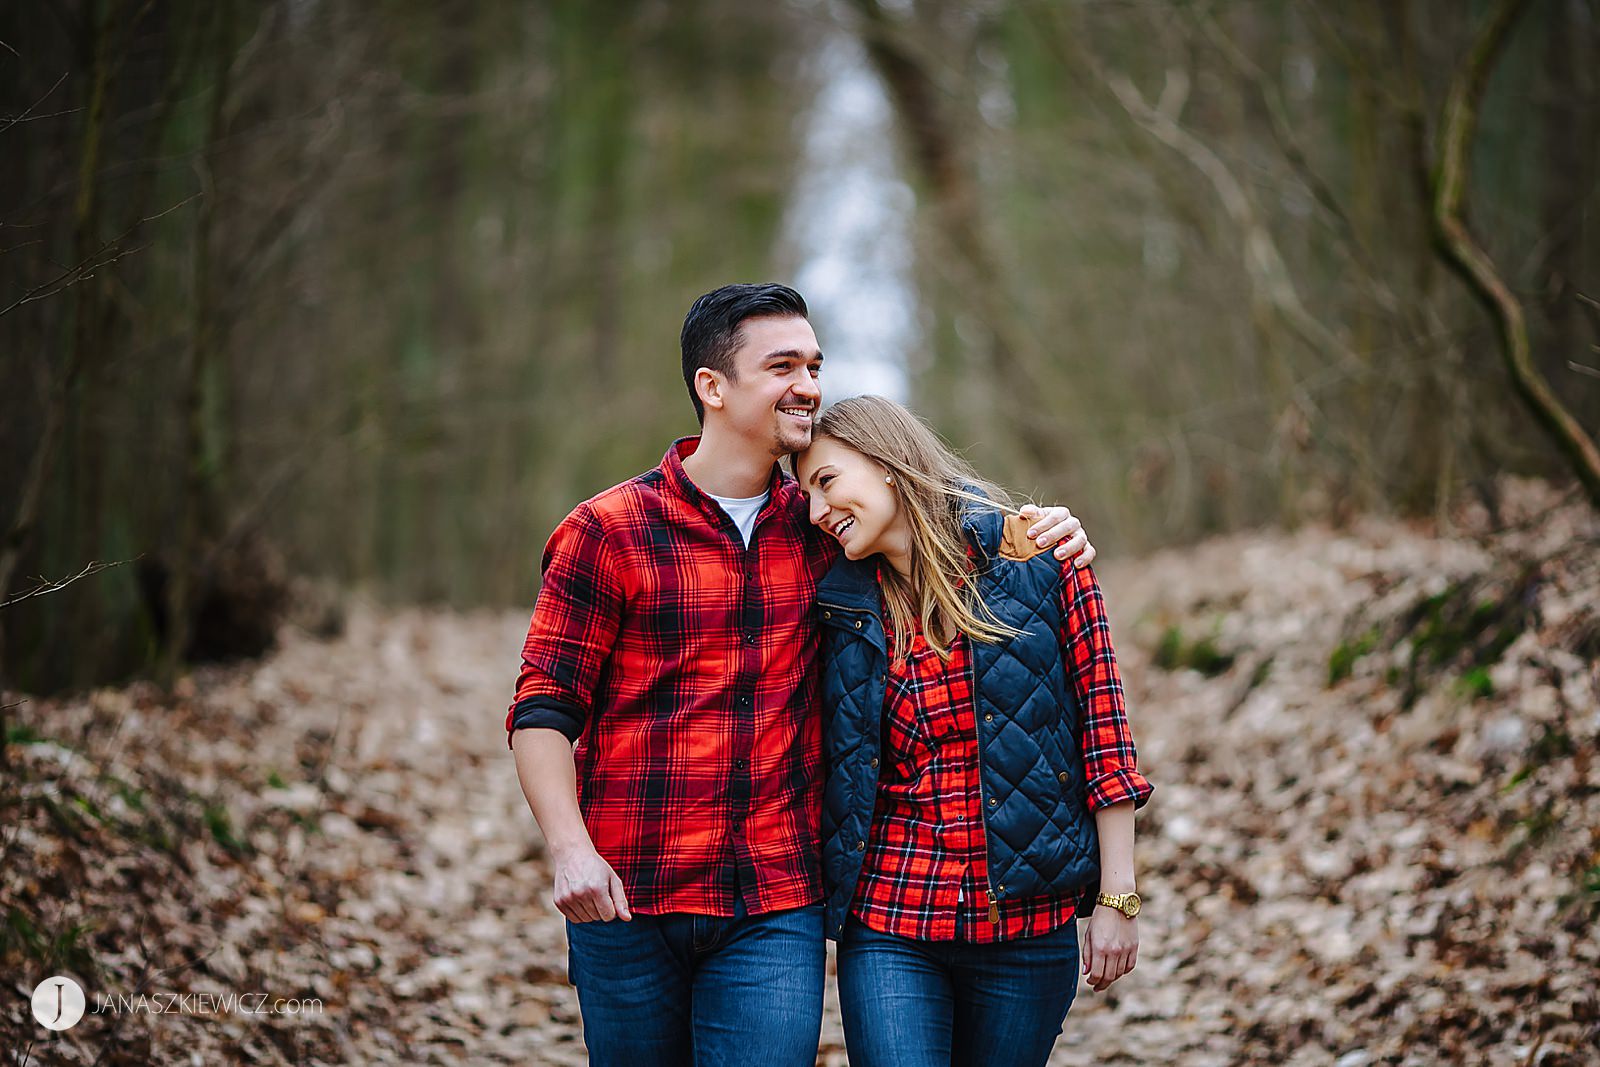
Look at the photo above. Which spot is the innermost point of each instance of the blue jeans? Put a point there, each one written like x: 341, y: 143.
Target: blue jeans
x: 699, y: 990
x: 951, y: 1003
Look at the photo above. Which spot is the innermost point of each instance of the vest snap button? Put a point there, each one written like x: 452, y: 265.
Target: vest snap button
x: 827, y: 614
x: 858, y: 624
x: 1062, y: 776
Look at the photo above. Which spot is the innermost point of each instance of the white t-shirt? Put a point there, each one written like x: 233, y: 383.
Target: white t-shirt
x: 743, y: 511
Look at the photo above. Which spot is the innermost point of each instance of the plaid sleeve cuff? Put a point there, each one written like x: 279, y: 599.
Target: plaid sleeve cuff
x: 545, y: 712
x: 1119, y: 785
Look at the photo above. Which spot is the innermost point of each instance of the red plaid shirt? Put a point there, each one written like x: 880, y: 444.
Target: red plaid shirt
x: 925, y: 874
x: 683, y: 666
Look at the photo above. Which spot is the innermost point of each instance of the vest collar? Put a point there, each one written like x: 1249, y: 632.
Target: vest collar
x: 984, y: 526
x: 851, y: 584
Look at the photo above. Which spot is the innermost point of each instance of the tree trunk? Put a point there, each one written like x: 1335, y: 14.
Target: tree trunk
x: 1010, y: 359
x: 86, y: 221
x: 1461, y: 251
x: 1568, y: 136
x: 199, y: 498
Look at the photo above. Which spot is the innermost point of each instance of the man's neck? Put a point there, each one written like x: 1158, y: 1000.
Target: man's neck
x: 728, y: 466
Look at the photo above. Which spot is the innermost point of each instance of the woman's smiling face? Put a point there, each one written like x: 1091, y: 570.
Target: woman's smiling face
x: 850, y: 499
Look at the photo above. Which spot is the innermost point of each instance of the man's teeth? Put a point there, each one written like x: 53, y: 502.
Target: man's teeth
x: 804, y: 413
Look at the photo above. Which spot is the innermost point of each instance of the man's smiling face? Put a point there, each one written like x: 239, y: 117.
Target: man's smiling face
x: 776, y: 395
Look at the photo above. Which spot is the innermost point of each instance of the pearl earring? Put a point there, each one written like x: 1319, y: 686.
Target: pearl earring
x: 888, y: 479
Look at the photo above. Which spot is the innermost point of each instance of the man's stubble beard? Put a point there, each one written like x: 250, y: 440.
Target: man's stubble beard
x: 781, y: 447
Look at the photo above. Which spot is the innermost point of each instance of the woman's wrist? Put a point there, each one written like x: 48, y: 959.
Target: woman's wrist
x: 1118, y: 878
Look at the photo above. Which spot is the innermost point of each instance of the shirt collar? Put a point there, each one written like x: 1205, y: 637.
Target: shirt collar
x: 680, y: 482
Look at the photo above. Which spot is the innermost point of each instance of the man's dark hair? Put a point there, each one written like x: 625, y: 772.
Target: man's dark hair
x: 711, y: 329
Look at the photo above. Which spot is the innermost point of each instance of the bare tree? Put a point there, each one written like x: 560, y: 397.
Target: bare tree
x: 1466, y: 256
x: 199, y: 502
x: 940, y: 157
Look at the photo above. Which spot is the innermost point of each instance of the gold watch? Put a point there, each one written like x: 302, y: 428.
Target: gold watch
x: 1127, y: 903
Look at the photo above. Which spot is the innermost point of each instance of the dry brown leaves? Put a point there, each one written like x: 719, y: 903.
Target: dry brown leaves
x: 1390, y: 869
x: 1334, y: 876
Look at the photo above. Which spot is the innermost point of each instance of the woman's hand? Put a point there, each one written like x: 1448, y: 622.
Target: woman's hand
x: 1056, y: 523
x: 1110, y: 947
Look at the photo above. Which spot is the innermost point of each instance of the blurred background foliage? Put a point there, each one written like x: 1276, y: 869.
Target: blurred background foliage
x: 374, y: 293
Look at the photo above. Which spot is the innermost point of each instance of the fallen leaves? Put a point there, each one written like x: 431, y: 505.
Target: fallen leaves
x: 1350, y: 873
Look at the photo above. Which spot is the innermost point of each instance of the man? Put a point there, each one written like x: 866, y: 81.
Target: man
x: 668, y: 681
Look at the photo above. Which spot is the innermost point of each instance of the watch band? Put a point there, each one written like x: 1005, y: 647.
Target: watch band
x: 1127, y: 903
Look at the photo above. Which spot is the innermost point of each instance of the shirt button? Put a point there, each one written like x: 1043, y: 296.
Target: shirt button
x: 749, y: 638
x: 749, y: 576
x: 745, y: 700
x: 739, y: 764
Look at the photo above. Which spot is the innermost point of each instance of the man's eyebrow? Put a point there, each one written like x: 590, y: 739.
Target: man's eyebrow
x: 791, y: 353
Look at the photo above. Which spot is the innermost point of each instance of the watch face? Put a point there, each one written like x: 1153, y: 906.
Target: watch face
x: 1131, y: 906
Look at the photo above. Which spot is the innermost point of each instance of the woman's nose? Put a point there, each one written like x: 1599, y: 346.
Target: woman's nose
x: 819, y: 510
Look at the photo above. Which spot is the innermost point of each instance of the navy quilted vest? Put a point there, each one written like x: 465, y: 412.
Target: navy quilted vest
x: 1041, y: 838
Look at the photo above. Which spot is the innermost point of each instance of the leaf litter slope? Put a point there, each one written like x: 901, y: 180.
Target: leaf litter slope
x: 1375, y: 837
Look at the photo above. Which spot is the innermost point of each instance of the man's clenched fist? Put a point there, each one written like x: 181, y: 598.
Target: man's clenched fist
x: 587, y: 889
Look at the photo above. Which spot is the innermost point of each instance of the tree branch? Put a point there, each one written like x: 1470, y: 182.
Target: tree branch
x: 48, y: 586
x: 1268, y: 273
x: 104, y: 256
x: 1456, y: 244
x: 7, y: 123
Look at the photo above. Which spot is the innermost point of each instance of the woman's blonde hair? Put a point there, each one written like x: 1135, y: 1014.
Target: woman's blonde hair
x: 934, y: 485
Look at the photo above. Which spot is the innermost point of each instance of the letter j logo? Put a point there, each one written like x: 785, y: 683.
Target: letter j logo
x: 58, y: 1002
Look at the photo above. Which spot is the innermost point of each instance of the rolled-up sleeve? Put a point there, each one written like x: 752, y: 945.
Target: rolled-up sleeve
x: 1109, y: 760
x: 574, y: 626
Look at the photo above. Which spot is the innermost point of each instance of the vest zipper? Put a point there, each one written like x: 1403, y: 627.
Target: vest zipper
x: 848, y: 610
x: 983, y: 819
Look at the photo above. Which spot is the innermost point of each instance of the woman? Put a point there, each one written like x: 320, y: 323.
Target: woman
x: 981, y: 774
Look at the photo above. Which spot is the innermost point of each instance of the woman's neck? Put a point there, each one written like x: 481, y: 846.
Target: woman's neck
x: 895, y: 547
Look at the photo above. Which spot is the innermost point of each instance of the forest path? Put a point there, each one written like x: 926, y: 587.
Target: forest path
x: 1331, y: 875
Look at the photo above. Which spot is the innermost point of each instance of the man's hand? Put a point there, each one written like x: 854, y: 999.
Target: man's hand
x: 587, y: 889
x: 1110, y: 947
x: 1054, y: 524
